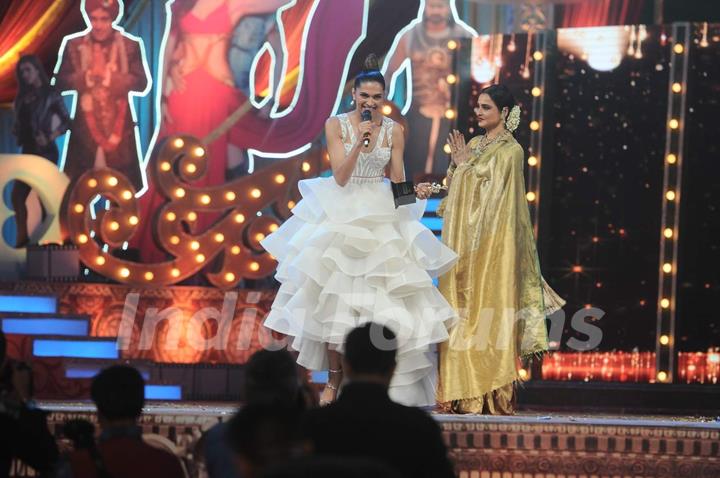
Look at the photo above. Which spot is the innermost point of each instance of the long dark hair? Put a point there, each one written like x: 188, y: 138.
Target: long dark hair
x: 370, y: 72
x: 25, y: 88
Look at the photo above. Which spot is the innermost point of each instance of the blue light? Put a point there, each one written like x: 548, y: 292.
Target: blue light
x: 163, y: 392
x: 89, y: 371
x: 432, y: 205
x: 97, y: 349
x: 319, y: 376
x: 28, y: 304
x: 45, y: 326
x: 433, y: 223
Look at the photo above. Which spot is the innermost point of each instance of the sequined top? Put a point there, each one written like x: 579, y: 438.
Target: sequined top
x: 370, y: 166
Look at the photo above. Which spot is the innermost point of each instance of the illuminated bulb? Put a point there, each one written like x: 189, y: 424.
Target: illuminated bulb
x: 677, y: 87
x: 668, y: 232
x: 254, y: 266
x: 229, y: 277
x: 99, y: 260
x: 532, y: 161
x: 534, y: 125
x: 165, y: 166
x: 194, y: 245
x: 670, y: 195
x: 291, y: 204
x: 79, y: 208
x: 199, y: 152
x: 200, y: 258
x: 114, y: 226
x: 671, y: 159
x: 126, y: 195
x: 192, y: 216
x: 179, y: 143
x: 235, y: 250
x: 112, y: 181
x: 190, y: 168
x: 256, y: 193
x: 82, y: 238
x: 674, y: 124
x: 523, y: 373
x: 678, y: 48
x: 451, y: 79
x: 538, y: 55
x: 180, y: 193
x: 665, y: 303
x: 205, y: 199
x: 273, y: 227
x: 174, y: 240
x: 452, y: 45
x: 536, y: 91
x: 239, y: 218
x: 92, y: 182
x: 124, y: 272
x: 175, y: 272
x: 170, y: 216
x: 133, y: 220
x: 230, y: 196
x: 450, y: 114
x: 577, y: 269
x: 219, y: 237
x: 387, y: 109
x: 664, y: 339
x: 662, y: 376
x: 667, y: 268
x: 280, y: 178
x: 149, y: 276
x: 447, y: 149
x: 259, y: 236
x: 305, y: 166
x: 530, y: 196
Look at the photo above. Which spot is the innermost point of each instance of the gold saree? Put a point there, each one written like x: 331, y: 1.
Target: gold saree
x: 496, y: 286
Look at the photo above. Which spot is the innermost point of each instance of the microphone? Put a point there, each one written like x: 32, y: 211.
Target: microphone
x: 366, y: 115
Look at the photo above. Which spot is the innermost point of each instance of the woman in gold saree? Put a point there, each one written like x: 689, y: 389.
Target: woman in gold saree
x: 496, y: 286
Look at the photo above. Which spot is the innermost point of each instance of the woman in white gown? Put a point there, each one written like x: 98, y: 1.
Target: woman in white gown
x: 347, y: 256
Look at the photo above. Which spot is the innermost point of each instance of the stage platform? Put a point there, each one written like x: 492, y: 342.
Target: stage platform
x: 523, y: 446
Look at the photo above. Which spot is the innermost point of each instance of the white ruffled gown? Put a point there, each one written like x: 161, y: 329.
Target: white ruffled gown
x: 347, y: 256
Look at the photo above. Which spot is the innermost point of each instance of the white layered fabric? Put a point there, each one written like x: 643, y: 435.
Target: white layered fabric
x: 347, y: 256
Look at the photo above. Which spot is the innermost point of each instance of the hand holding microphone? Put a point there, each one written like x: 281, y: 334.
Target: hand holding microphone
x: 365, y: 127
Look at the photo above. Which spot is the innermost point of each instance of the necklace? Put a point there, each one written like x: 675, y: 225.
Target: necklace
x: 484, y: 142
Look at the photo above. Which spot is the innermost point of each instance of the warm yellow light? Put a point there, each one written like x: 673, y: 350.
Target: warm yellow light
x: 229, y: 277
x: 133, y: 220
x: 100, y: 260
x: 667, y: 268
x: 170, y: 216
x: 447, y: 149
x: 305, y: 166
x: 112, y: 181
x: 534, y: 125
x: 291, y: 204
x: 149, y: 276
x: 452, y: 45
x: 179, y: 143
x: 230, y: 196
x: 668, y: 232
x: 205, y: 199
x: 532, y: 161
x: 239, y: 218
x: 538, y: 55
x: 235, y: 250
x: 82, y: 238
x: 180, y: 193
x: 451, y: 79
x: 662, y: 376
x: 671, y: 158
x: 664, y: 339
x: 678, y: 48
x: 677, y: 87
x: 175, y: 272
x: 199, y: 152
x: 273, y: 227
x: 174, y: 240
x: 450, y: 113
x: 280, y: 178
x: 125, y: 272
x: 670, y: 195
x: 92, y: 182
x: 536, y: 91
x: 219, y: 237
x: 190, y: 168
x: 192, y: 216
x: 259, y: 236
x: 387, y: 109
x: 522, y: 373
x: 674, y: 124
x: 114, y: 226
x: 665, y: 303
x: 127, y: 195
x: 79, y: 208
x: 531, y: 196
x: 256, y: 193
x: 194, y: 245
x: 165, y: 166
x: 254, y: 266
x: 200, y: 258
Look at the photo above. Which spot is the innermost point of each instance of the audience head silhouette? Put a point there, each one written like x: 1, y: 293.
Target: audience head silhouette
x: 370, y: 352
x: 119, y: 394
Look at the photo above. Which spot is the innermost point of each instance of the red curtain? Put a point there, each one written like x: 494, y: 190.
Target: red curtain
x: 600, y: 13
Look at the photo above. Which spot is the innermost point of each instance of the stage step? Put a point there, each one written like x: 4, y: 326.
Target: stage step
x: 45, y: 324
x: 87, y: 347
x: 17, y: 303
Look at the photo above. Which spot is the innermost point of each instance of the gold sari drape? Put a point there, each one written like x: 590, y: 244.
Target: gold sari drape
x: 496, y: 286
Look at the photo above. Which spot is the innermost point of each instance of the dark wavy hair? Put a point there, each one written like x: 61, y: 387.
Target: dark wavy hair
x: 24, y: 88
x: 370, y: 72
x: 500, y: 95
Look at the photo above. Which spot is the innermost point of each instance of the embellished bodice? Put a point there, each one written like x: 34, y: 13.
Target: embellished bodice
x: 370, y: 167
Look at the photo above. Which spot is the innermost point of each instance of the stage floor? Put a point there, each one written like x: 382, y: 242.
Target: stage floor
x: 526, y: 445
